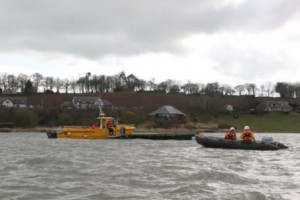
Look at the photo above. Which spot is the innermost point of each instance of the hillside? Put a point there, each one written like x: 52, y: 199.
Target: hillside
x: 203, y: 112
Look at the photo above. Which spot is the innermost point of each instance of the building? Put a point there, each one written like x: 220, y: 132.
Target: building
x: 85, y: 102
x: 167, y: 112
x: 275, y: 106
x: 13, y: 102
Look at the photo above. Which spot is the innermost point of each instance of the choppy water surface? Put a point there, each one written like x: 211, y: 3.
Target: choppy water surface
x: 35, y: 167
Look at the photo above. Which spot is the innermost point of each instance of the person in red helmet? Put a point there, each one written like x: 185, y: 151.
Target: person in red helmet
x: 231, y: 134
x: 247, y: 135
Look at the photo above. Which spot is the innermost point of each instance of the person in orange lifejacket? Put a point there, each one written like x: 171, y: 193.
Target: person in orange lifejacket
x: 231, y: 134
x: 95, y: 125
x: 110, y: 125
x: 247, y: 135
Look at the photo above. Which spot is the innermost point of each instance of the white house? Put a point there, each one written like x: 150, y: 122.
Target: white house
x: 9, y: 102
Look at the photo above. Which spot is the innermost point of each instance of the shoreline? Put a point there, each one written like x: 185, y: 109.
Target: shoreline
x: 137, y: 131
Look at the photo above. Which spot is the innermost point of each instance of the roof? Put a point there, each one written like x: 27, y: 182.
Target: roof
x: 167, y: 110
x: 90, y: 99
x: 14, y: 100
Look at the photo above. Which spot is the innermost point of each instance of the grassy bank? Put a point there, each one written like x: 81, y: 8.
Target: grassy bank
x: 268, y: 122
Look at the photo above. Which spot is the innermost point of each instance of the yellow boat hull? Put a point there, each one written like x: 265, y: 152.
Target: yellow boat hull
x: 97, y: 131
x: 94, y: 133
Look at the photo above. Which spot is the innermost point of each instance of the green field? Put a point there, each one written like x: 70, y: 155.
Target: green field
x: 267, y: 122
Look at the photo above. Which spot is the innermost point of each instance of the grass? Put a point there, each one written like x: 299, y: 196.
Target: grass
x: 268, y: 122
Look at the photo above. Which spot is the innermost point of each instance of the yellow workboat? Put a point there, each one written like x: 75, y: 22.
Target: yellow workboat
x: 103, y: 128
x: 99, y: 130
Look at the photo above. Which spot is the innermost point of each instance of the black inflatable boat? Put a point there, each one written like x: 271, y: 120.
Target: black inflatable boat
x: 217, y: 142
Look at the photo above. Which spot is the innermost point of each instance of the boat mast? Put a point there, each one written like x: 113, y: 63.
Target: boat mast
x: 100, y: 104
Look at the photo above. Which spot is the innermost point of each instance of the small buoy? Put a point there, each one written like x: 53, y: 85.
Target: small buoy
x: 69, y: 133
x: 85, y: 136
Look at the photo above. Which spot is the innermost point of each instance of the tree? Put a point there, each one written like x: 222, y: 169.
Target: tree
x: 49, y: 83
x: 251, y: 88
x: 66, y: 85
x: 87, y: 81
x: 212, y: 89
x: 12, y: 83
x: 269, y: 88
x: 120, y: 82
x: 262, y: 90
x: 81, y: 84
x: 131, y: 83
x: 226, y: 90
x: 37, y: 78
x: 58, y: 84
x: 3, y: 81
x: 22, y: 79
x: 240, y: 89
x: 190, y: 88
x: 163, y: 87
x: 73, y: 85
x: 174, y: 89
x: 151, y: 85
x: 28, y: 88
x: 282, y: 89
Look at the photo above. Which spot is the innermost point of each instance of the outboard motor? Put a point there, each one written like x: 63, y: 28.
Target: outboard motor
x: 122, y: 132
x: 52, y: 134
x: 267, y: 140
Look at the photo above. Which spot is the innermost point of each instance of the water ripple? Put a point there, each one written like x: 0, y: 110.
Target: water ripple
x: 34, y: 167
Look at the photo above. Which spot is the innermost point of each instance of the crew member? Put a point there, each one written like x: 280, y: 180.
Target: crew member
x: 231, y: 134
x: 247, y: 135
x: 109, y: 126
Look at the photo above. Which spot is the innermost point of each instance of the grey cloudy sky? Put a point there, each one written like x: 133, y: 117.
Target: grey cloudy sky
x: 229, y: 41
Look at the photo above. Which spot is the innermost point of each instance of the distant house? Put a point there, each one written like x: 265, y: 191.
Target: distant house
x: 89, y: 103
x: 13, y: 102
x: 275, y: 106
x: 167, y: 112
x: 67, y: 105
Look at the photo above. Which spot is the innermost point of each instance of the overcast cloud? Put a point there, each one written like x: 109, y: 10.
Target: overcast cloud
x: 254, y: 39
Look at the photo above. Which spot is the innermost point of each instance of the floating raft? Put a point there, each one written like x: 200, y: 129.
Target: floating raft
x: 162, y: 136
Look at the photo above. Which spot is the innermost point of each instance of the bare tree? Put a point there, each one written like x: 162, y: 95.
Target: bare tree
x: 12, y: 83
x: 239, y: 89
x: 81, y: 83
x: 4, y: 81
x: 226, y: 89
x: 269, y: 88
x: 73, y: 85
x: 49, y: 83
x: 253, y: 88
x: 190, y: 88
x: 66, y: 85
x: 131, y: 83
x: 37, y: 78
x: 141, y: 84
x: 212, y: 89
x: 151, y: 85
x: 22, y: 79
x: 58, y: 84
x: 262, y: 90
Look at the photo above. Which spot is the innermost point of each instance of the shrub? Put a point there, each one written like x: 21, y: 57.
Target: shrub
x: 25, y: 118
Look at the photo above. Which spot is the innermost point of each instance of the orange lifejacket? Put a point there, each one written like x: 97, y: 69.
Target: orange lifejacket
x: 247, y: 136
x: 109, y: 124
x: 230, y: 135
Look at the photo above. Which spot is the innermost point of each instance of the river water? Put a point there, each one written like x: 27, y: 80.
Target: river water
x: 35, y: 167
